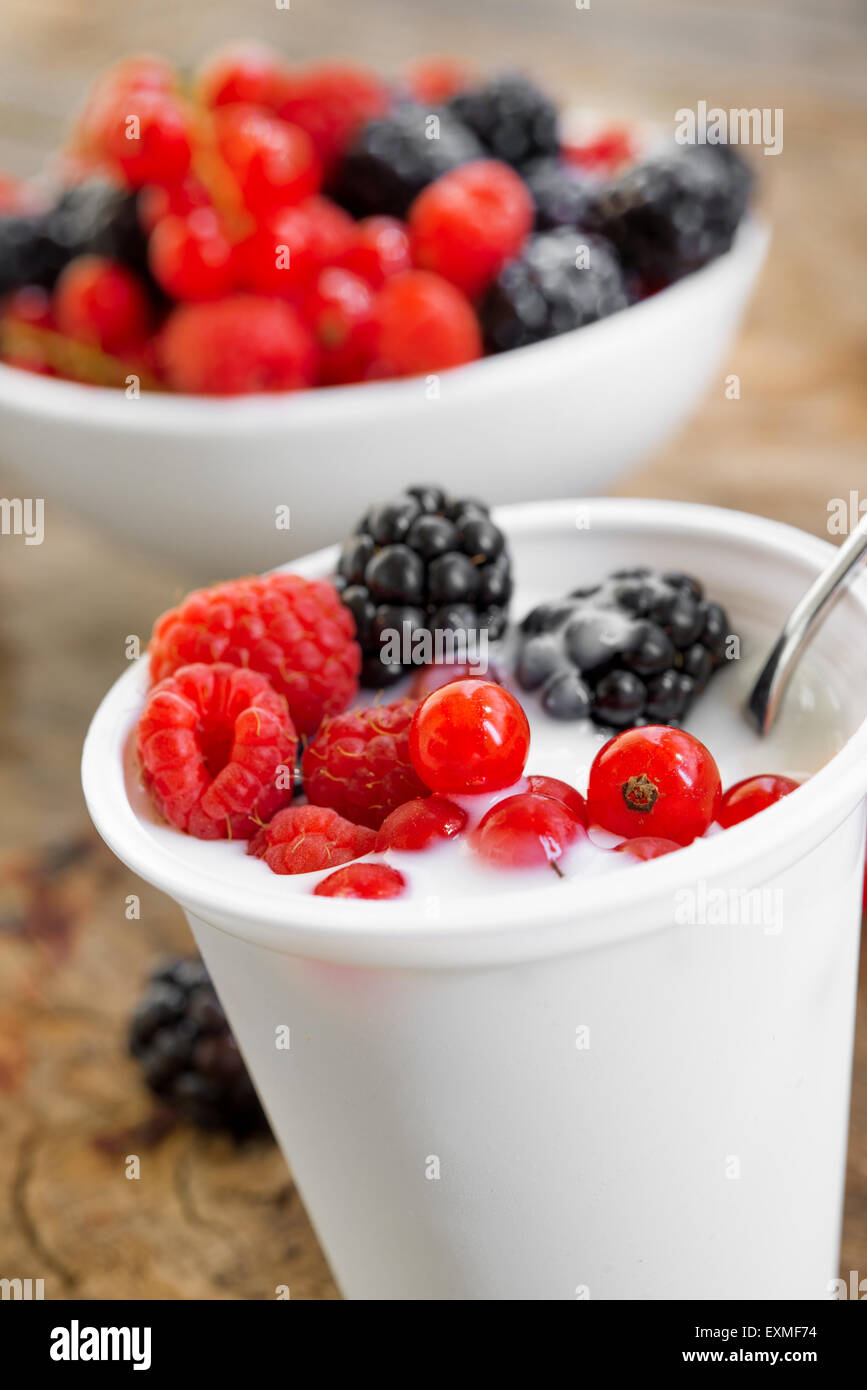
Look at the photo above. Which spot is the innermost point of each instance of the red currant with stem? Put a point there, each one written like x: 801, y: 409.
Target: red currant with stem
x: 418, y: 824
x: 362, y: 881
x: 191, y: 257
x: 469, y: 736
x: 654, y: 781
x: 752, y: 795
x: 647, y: 847
x: 560, y: 791
x: 525, y: 831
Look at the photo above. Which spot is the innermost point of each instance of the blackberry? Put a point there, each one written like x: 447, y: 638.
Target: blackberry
x: 514, y: 120
x: 635, y: 649
x: 676, y: 211
x: 190, y: 1059
x: 95, y: 218
x: 396, y: 156
x: 421, y: 564
x: 545, y: 292
x: 563, y: 196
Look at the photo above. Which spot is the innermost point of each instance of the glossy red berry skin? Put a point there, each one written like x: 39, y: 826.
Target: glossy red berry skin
x: 250, y: 73
x: 417, y: 825
x: 362, y: 881
x: 647, y: 847
x: 273, y: 163
x: 560, y: 791
x: 423, y: 324
x: 654, y: 781
x: 338, y: 309
x: 379, y: 249
x: 526, y: 831
x: 331, y: 102
x: 99, y: 302
x: 290, y: 246
x: 191, y: 257
x: 752, y: 795
x: 469, y: 222
x: 469, y: 736
x: 146, y: 134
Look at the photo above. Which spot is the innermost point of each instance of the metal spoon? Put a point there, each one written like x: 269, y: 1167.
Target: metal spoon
x: 766, y: 696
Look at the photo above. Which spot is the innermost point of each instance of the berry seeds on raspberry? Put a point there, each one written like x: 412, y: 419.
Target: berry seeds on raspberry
x: 302, y: 839
x: 654, y: 781
x: 292, y: 629
x: 217, y: 749
x: 359, y: 763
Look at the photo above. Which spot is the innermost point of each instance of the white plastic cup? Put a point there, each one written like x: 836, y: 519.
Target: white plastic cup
x: 565, y: 1093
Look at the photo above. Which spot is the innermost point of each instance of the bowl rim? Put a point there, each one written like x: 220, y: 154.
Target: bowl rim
x: 161, y: 412
x: 567, y: 916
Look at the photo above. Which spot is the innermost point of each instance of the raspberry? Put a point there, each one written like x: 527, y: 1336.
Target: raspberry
x: 423, y: 324
x: 216, y: 744
x: 675, y: 212
x: 562, y: 792
x: 285, y: 252
x: 250, y: 73
x: 646, y: 847
x: 525, y: 831
x: 362, y: 881
x: 423, y: 566
x: 179, y: 1035
x: 416, y: 825
x: 359, y: 763
x: 470, y: 736
x: 470, y: 222
x: 379, y: 249
x: 393, y: 158
x: 435, y: 80
x: 339, y: 309
x: 191, y: 256
x: 549, y: 290
x: 294, y: 630
x: 654, y: 781
x: 301, y: 839
x: 274, y: 163
x: 512, y: 118
x: 144, y: 132
x: 235, y: 345
x: 331, y: 103
x: 99, y: 301
x: 638, y: 646
x: 747, y: 798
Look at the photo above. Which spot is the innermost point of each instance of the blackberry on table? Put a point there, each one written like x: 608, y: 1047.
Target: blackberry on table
x: 676, y: 211
x: 190, y: 1059
x: 93, y: 218
x: 563, y: 195
x: 545, y: 291
x: 636, y: 649
x: 513, y: 118
x: 396, y: 156
x: 423, y: 562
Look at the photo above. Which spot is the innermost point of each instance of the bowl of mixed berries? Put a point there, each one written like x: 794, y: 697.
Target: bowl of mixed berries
x: 255, y: 276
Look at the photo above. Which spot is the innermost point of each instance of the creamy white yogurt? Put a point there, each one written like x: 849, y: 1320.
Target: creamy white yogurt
x: 809, y: 732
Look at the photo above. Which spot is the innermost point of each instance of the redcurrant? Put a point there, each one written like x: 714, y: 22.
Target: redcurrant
x: 362, y: 881
x: 525, y: 831
x: 654, y: 781
x: 747, y: 798
x: 469, y: 736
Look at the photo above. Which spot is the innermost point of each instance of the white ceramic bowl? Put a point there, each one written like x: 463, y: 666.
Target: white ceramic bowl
x: 199, y: 480
x: 450, y: 1137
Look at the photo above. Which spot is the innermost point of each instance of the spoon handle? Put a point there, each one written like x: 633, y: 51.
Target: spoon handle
x: 766, y: 697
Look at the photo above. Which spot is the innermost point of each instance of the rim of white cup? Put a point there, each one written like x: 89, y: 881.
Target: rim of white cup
x: 161, y: 413
x: 571, y: 914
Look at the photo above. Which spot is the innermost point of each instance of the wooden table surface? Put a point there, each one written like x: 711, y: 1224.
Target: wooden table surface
x: 207, y: 1220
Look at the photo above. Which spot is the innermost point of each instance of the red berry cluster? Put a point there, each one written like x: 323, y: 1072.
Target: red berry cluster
x: 256, y: 280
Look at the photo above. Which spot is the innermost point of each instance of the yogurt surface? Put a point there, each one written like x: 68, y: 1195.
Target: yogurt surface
x: 809, y: 732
